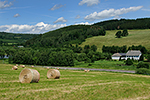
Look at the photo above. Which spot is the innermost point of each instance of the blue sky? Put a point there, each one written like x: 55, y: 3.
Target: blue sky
x: 39, y: 16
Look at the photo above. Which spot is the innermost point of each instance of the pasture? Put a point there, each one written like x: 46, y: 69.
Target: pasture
x: 74, y: 85
x: 136, y: 37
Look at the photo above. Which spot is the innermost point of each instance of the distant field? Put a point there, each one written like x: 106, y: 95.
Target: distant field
x: 104, y: 64
x: 136, y: 37
x: 74, y: 85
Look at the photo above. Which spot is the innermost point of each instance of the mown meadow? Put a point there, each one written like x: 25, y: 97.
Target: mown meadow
x: 74, y: 85
x: 135, y: 37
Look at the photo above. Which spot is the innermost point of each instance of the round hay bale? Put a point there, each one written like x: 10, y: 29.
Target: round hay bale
x: 14, y: 68
x: 53, y: 74
x: 47, y: 67
x: 23, y: 66
x: 85, y: 70
x: 29, y: 76
x: 57, y: 68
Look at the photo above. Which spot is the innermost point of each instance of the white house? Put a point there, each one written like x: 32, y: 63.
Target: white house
x: 135, y: 54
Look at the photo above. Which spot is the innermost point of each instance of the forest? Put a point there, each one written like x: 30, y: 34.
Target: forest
x: 14, y: 38
x: 115, y: 24
x: 63, y: 37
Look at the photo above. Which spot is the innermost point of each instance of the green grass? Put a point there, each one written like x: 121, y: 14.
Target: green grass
x: 74, y: 85
x: 104, y: 64
x: 136, y: 37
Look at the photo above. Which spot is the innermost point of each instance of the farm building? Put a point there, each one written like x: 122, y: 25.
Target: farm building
x: 135, y: 54
x: 116, y: 56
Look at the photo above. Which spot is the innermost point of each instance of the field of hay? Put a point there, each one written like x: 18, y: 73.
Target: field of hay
x: 74, y: 85
x: 136, y: 37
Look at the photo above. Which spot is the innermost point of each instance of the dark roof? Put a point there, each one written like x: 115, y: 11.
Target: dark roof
x: 133, y: 53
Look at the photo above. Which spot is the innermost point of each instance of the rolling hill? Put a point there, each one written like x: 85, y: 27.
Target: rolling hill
x: 12, y: 38
x: 99, y: 34
x: 136, y: 37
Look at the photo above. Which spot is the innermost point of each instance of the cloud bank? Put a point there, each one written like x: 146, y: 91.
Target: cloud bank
x: 89, y: 2
x: 35, y: 29
x: 61, y: 19
x: 4, y: 4
x: 110, y: 13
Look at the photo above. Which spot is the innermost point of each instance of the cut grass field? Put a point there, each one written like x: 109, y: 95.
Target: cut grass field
x: 136, y: 37
x: 74, y: 85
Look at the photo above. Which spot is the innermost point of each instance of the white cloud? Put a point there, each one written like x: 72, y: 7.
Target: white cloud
x: 77, y: 17
x: 36, y: 29
x: 110, y: 13
x: 89, y: 2
x: 61, y: 19
x: 82, y: 23
x: 4, y: 4
x: 146, y: 9
x: 16, y: 15
x: 56, y: 7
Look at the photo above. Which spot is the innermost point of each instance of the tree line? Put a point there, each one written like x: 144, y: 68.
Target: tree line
x: 139, y: 23
x: 123, y: 49
x: 53, y: 56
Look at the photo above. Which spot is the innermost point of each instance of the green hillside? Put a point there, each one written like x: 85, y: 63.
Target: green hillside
x: 95, y: 34
x: 12, y: 38
x: 136, y: 37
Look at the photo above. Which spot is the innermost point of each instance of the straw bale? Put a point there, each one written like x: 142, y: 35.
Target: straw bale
x: 57, y: 68
x: 85, y: 70
x: 29, y: 76
x: 53, y: 74
x: 47, y: 68
x: 14, y: 68
x: 23, y: 66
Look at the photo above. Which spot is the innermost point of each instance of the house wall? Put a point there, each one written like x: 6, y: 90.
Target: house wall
x: 115, y: 58
x: 134, y: 57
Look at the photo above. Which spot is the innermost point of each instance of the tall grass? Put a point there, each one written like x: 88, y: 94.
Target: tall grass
x: 74, y: 85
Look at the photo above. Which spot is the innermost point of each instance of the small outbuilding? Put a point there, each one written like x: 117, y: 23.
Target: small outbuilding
x: 117, y: 56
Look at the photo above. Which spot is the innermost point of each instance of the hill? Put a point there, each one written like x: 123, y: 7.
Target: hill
x: 76, y: 34
x: 136, y: 37
x: 12, y: 38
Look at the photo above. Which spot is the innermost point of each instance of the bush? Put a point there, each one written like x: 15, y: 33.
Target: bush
x: 142, y: 65
x: 129, y: 61
x: 144, y: 71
